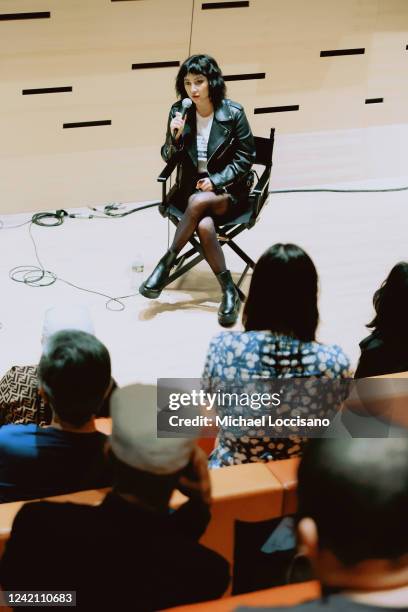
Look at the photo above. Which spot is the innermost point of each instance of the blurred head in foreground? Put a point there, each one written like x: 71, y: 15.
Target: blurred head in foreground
x: 353, y: 504
x: 146, y: 468
x: 59, y: 318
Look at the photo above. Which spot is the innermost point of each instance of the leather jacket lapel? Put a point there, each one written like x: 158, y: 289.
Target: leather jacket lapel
x: 220, y: 130
x: 219, y: 135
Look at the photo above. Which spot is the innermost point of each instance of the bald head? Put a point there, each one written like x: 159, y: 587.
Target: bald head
x: 356, y: 491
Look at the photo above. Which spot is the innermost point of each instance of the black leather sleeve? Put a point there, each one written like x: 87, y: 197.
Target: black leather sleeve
x: 243, y: 157
x: 170, y: 146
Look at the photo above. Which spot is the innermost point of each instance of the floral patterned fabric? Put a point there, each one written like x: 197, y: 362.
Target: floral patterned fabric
x: 236, y: 358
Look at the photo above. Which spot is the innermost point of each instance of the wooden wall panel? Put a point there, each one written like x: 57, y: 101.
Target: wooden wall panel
x: 389, y: 64
x: 284, y: 40
x: 91, y: 46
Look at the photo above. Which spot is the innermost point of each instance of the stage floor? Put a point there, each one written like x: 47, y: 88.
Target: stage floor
x: 354, y: 240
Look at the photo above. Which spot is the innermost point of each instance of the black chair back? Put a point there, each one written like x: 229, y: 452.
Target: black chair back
x: 264, y: 149
x: 257, y: 198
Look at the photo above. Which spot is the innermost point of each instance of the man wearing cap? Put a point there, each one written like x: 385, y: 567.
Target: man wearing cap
x: 74, y: 376
x: 131, y: 552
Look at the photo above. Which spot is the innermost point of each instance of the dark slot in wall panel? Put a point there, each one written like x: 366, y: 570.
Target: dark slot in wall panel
x: 87, y: 124
x: 374, y: 100
x: 155, y: 65
x: 223, y: 5
x: 334, y: 52
x: 276, y: 109
x: 45, y: 90
x: 244, y: 77
x: 406, y: 47
x: 14, y: 16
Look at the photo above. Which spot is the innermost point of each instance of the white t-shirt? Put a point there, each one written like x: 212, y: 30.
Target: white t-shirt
x: 203, y: 133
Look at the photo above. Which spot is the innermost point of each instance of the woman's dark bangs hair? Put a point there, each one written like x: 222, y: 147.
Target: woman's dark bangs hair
x: 207, y: 66
x: 283, y: 294
x: 391, y: 303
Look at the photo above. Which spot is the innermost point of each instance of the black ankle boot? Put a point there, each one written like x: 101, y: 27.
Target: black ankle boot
x: 229, y: 307
x: 153, y: 286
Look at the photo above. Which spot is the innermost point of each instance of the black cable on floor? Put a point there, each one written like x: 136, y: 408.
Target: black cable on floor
x: 3, y: 226
x: 328, y: 190
x: 110, y: 209
x: 53, y: 219
x: 38, y: 276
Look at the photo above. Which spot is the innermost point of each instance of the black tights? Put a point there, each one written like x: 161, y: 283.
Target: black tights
x: 201, y: 209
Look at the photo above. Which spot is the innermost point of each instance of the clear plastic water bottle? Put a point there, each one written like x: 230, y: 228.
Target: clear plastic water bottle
x: 137, y: 273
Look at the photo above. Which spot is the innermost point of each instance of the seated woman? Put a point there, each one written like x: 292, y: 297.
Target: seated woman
x: 216, y: 150
x: 385, y: 350
x: 280, y: 319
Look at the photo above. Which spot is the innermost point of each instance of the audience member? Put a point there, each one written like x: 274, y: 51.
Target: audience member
x: 131, y: 552
x: 280, y: 320
x: 353, y: 504
x: 385, y: 350
x: 74, y: 376
x: 20, y: 400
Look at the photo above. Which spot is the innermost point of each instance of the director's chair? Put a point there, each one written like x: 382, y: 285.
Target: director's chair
x: 227, y: 232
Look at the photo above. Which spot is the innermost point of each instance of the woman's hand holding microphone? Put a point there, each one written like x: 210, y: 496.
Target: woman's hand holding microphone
x: 178, y: 121
x: 177, y: 126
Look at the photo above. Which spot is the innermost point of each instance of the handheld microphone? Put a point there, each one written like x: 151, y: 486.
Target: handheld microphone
x: 185, y: 105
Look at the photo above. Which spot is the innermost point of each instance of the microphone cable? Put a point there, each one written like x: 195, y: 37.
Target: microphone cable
x: 345, y: 190
x: 55, y: 219
x: 110, y: 210
x: 39, y: 276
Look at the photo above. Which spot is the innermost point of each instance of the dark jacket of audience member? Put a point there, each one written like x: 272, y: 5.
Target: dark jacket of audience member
x: 353, y: 505
x: 74, y: 375
x: 130, y: 553
x: 385, y: 350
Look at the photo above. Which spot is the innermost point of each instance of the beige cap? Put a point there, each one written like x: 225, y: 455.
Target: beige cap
x: 134, y: 433
x: 60, y: 318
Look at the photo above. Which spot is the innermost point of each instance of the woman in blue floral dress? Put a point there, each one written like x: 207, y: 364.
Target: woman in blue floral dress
x: 280, y: 320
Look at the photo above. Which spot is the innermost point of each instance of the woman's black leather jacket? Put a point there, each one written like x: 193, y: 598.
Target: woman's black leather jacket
x: 231, y: 149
